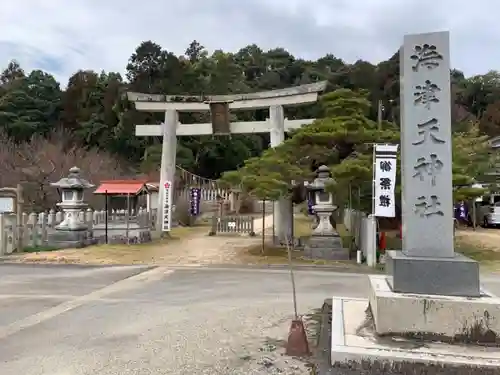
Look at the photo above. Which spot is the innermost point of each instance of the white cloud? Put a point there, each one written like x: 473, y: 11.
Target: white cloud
x: 97, y: 34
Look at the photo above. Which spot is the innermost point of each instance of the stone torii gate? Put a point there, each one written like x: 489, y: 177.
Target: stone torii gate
x: 219, y: 106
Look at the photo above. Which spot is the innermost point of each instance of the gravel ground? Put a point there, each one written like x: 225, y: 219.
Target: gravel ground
x: 135, y: 321
x: 76, y: 320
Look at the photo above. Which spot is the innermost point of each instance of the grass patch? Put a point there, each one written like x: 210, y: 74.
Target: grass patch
x: 302, y: 226
x: 393, y: 243
x: 114, y: 253
x: 36, y: 249
x: 278, y: 255
x: 479, y: 253
x: 347, y: 238
x: 275, y: 255
x: 488, y: 257
x: 176, y: 234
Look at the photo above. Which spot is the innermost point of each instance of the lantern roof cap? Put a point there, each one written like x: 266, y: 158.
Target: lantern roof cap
x: 323, y: 178
x: 73, y: 181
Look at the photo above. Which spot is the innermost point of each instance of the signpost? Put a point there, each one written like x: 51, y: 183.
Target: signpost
x: 167, y: 207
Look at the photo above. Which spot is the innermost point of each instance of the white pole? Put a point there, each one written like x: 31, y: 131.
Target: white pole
x: 277, y: 135
x: 373, y: 179
x: 371, y: 236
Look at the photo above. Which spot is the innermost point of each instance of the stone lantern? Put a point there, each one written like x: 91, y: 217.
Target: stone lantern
x: 325, y: 242
x: 72, y: 229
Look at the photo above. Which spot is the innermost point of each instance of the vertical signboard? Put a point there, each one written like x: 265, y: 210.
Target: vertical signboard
x: 195, y: 197
x: 385, y: 162
x: 167, y: 207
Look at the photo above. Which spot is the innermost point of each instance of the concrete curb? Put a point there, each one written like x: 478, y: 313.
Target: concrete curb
x: 297, y: 267
x: 74, y: 265
x: 365, y: 354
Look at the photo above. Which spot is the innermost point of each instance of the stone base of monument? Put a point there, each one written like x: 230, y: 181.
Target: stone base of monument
x: 433, y: 317
x: 356, y: 346
x: 70, y: 239
x: 455, y: 276
x: 327, y: 247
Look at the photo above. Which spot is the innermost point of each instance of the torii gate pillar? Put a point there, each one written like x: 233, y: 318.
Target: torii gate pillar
x: 283, y: 210
x: 168, y: 155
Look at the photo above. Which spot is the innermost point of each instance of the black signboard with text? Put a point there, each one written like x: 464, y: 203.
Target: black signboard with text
x: 195, y: 198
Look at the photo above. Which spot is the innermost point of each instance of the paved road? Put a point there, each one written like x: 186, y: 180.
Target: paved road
x: 71, y: 320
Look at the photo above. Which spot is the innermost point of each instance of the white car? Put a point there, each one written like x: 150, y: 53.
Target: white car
x: 491, y: 215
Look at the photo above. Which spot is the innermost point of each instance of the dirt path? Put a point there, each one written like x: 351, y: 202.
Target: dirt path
x: 483, y: 238
x: 197, y: 249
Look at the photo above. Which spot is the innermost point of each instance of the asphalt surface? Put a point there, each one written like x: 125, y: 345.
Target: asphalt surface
x: 73, y: 320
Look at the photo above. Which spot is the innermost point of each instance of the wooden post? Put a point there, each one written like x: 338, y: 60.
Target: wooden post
x: 127, y: 217
x: 106, y: 216
x: 213, y: 232
x: 3, y: 237
x: 42, y: 225
x: 474, y: 224
x: 263, y: 226
x: 19, y: 218
x: 380, y: 109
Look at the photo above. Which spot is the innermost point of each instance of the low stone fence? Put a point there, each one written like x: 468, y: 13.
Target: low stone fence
x: 36, y: 227
x: 363, y: 230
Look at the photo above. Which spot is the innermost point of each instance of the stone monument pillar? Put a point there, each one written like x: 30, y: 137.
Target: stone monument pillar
x: 72, y: 231
x: 325, y: 241
x: 426, y: 148
x: 428, y: 314
x: 430, y: 291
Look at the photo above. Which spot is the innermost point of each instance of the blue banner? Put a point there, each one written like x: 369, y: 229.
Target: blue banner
x: 310, y: 205
x: 461, y: 211
x: 195, y: 198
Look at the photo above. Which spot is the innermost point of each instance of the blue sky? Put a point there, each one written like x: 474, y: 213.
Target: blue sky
x: 63, y: 36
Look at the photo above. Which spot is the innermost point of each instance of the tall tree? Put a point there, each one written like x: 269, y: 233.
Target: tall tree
x: 30, y: 107
x: 12, y: 73
x: 93, y: 109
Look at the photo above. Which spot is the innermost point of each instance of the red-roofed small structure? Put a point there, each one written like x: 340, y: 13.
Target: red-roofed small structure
x: 118, y: 191
x: 116, y: 187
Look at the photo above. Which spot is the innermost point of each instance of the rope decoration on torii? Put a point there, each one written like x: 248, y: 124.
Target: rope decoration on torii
x: 185, y: 179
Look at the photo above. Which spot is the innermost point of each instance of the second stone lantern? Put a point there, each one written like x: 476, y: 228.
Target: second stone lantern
x: 325, y: 242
